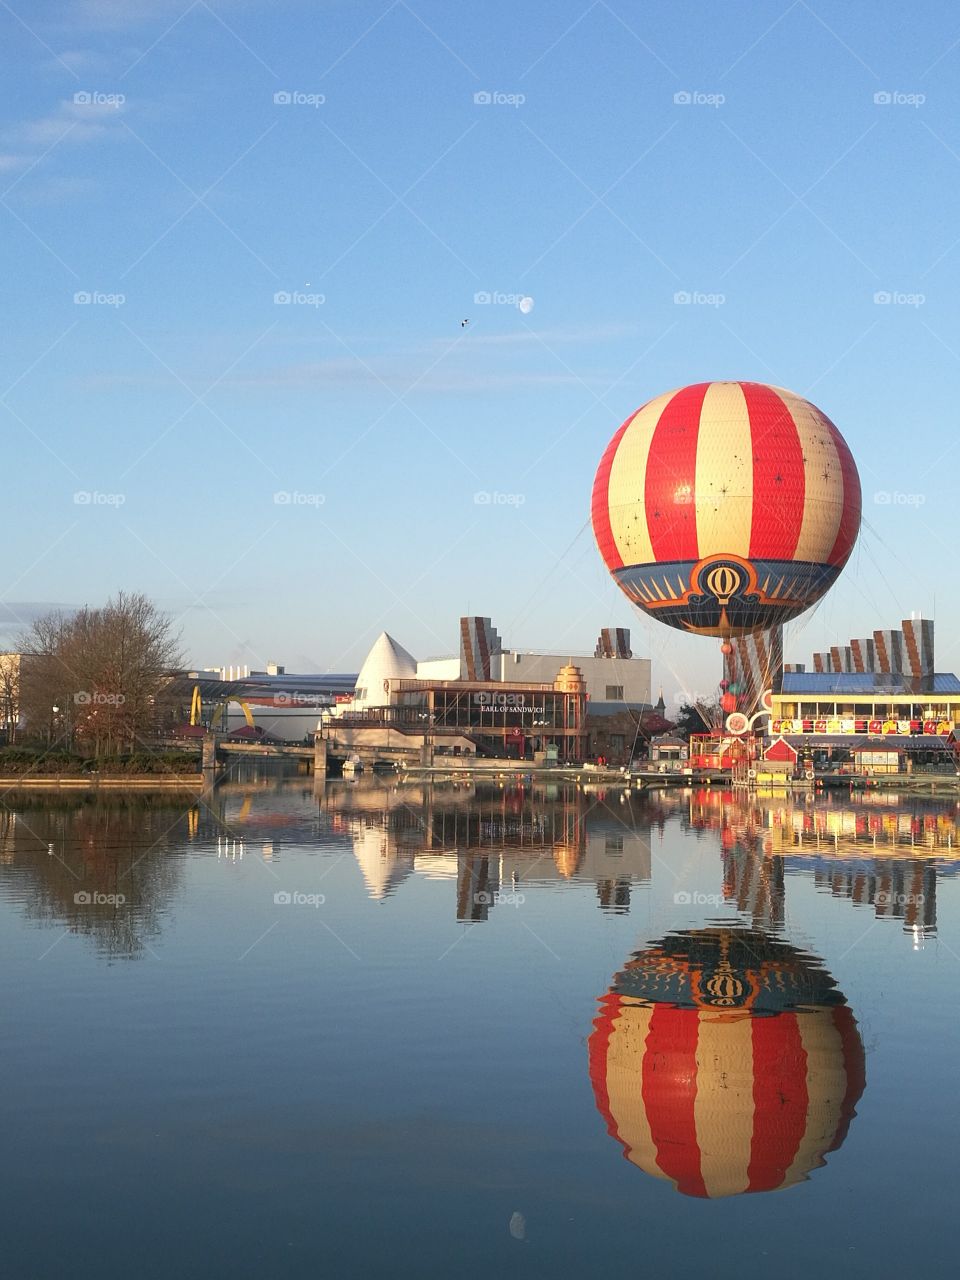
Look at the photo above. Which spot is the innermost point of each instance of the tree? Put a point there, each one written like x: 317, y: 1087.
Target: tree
x: 98, y: 675
x: 699, y: 717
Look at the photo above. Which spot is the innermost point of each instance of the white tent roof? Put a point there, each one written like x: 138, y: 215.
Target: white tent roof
x: 386, y: 661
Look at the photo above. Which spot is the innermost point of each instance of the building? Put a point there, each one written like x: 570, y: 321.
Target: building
x: 10, y: 671
x: 873, y: 696
x: 395, y: 713
x: 503, y: 702
x: 611, y: 672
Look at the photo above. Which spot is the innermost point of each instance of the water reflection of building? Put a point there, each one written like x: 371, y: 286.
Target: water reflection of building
x: 725, y: 1061
x: 495, y: 839
x: 883, y: 852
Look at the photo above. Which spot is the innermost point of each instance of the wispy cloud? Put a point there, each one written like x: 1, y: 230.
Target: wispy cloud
x: 367, y: 375
x: 550, y: 337
x: 354, y: 375
x: 120, y: 14
x: 17, y: 615
x: 72, y: 121
x: 93, y: 61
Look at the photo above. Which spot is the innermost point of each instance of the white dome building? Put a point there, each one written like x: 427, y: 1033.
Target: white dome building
x: 386, y: 661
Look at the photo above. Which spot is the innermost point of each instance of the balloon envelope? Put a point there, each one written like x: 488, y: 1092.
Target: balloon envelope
x: 724, y: 508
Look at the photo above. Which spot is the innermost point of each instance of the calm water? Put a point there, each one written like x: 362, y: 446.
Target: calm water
x: 411, y: 1031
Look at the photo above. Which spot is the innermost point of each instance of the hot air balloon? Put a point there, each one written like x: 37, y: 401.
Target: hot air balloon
x: 725, y: 1061
x: 726, y: 508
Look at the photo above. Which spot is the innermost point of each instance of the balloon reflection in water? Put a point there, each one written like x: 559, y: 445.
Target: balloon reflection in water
x: 724, y: 1060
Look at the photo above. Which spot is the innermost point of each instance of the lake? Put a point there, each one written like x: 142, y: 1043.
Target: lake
x: 384, y: 1029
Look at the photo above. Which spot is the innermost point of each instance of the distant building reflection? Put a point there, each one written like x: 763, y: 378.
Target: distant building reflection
x: 494, y: 839
x: 725, y: 1061
x: 886, y: 852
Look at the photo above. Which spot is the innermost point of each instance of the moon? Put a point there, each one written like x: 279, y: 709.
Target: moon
x: 525, y: 305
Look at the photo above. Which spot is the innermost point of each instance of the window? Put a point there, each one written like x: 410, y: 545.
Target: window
x: 614, y: 693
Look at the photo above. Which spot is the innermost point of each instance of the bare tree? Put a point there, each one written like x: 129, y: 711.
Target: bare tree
x: 97, y: 675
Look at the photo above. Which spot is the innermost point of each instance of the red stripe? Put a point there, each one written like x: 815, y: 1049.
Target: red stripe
x: 669, y: 1094
x: 850, y: 520
x: 855, y: 1067
x: 780, y: 1100
x: 600, y: 506
x: 598, y: 1048
x: 779, y: 484
x: 672, y: 474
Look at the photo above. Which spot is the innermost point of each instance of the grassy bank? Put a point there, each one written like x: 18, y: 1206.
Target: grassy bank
x: 38, y: 763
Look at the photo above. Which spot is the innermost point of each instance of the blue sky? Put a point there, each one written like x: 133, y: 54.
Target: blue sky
x: 383, y: 197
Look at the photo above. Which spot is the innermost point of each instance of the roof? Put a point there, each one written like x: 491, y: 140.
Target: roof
x: 387, y: 660
x: 867, y: 682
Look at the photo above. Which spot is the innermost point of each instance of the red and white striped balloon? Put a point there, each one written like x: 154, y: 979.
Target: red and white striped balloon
x: 724, y: 508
